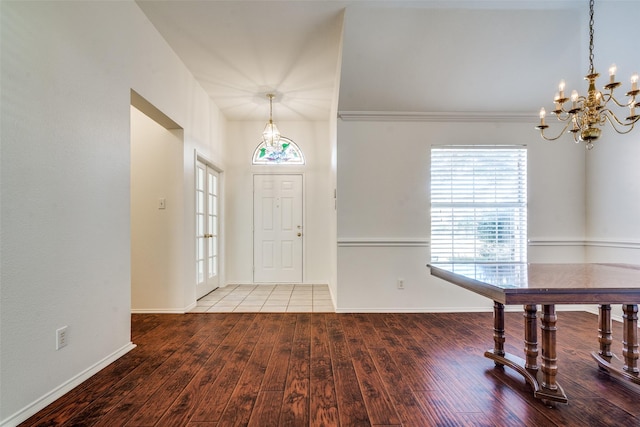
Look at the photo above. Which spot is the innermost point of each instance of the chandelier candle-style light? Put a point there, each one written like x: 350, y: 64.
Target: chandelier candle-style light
x: 585, y: 115
x: 271, y: 134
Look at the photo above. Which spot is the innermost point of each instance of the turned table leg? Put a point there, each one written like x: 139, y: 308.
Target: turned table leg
x: 543, y: 381
x: 604, y: 330
x: 531, y: 336
x: 630, y: 338
x: 498, y: 330
x: 549, y: 359
x: 627, y: 368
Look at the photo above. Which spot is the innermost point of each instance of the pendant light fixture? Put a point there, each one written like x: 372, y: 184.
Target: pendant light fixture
x: 585, y: 115
x: 271, y: 134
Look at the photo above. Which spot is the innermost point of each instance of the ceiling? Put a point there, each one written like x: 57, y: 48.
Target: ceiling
x: 384, y: 56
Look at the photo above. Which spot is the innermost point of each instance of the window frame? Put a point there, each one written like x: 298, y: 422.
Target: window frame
x: 482, y: 227
x: 291, y: 154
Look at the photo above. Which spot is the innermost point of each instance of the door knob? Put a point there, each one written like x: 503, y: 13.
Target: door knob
x: 299, y: 234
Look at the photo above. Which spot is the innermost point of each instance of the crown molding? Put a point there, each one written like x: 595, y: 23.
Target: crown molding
x: 408, y: 116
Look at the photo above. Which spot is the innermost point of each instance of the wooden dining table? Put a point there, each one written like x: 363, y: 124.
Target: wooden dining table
x: 533, y: 284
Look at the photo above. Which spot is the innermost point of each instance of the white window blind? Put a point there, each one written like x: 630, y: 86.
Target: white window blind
x: 478, y: 204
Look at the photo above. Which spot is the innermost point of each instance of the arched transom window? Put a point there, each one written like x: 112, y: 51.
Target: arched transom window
x: 287, y: 152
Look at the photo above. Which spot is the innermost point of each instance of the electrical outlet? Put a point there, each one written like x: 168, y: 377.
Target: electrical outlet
x: 61, y: 337
x: 400, y: 283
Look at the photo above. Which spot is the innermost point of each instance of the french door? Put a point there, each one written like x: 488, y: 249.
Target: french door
x: 277, y: 227
x: 207, y: 229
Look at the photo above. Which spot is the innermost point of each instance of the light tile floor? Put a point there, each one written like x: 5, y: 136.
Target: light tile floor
x: 267, y: 299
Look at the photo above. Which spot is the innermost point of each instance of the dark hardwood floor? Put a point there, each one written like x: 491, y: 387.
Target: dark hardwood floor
x: 326, y: 369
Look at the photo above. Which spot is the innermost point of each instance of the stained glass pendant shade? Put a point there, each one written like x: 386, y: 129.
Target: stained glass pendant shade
x: 271, y: 134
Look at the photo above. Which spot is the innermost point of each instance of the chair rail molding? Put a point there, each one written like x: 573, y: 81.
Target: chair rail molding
x: 537, y: 241
x: 383, y: 242
x: 598, y: 242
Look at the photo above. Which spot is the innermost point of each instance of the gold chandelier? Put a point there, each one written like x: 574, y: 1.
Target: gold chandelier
x: 585, y: 115
x: 271, y: 134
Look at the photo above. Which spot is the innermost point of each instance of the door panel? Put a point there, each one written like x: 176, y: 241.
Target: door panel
x: 278, y: 228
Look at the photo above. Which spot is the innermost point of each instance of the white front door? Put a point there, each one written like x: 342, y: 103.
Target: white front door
x: 207, y: 229
x: 277, y: 228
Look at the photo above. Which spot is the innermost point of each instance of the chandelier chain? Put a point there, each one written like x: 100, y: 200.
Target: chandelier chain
x: 591, y: 22
x: 270, y: 107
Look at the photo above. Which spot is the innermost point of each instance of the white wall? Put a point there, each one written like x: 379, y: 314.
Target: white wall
x: 613, y: 180
x: 67, y: 72
x: 613, y: 202
x: 383, y: 209
x: 313, y: 138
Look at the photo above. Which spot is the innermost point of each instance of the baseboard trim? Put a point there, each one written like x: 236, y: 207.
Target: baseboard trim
x: 159, y: 311
x: 241, y: 283
x: 508, y: 308
x: 413, y: 310
x: 61, y: 390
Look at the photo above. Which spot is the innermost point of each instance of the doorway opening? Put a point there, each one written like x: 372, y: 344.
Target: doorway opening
x: 157, y: 210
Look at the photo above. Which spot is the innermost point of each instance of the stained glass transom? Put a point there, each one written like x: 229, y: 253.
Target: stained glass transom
x: 287, y: 153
